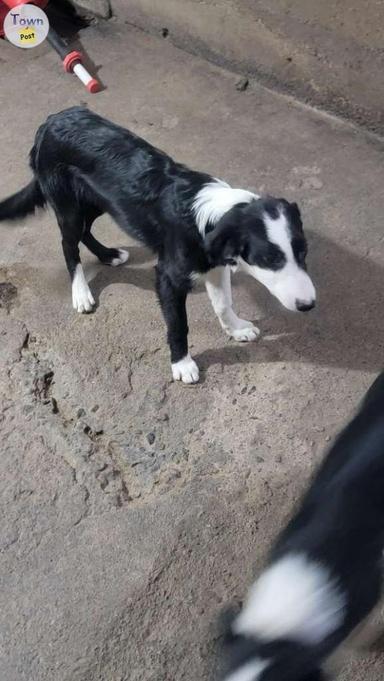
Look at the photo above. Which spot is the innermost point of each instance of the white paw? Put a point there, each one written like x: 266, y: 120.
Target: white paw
x: 244, y: 331
x: 82, y: 298
x: 83, y: 302
x: 123, y: 257
x: 185, y: 370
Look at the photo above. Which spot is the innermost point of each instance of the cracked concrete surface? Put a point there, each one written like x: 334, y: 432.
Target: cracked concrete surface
x: 134, y: 508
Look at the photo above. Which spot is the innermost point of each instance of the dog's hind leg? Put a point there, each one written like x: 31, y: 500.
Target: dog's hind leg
x: 108, y: 256
x: 71, y: 223
x: 218, y: 285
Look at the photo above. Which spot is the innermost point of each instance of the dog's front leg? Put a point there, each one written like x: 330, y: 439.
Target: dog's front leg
x: 218, y: 285
x: 173, y: 304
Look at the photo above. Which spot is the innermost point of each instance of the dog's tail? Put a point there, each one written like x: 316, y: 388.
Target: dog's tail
x: 22, y: 203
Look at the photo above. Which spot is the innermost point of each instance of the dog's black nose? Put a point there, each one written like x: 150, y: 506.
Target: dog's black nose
x: 304, y: 307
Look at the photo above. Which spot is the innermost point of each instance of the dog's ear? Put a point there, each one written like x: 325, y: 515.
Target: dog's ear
x: 295, y: 211
x: 223, y: 243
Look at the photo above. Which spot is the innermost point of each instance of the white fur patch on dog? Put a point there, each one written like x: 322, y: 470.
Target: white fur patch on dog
x: 123, y: 257
x: 277, y: 232
x: 82, y: 298
x: 296, y: 598
x: 185, y: 370
x: 250, y: 671
x: 215, y: 199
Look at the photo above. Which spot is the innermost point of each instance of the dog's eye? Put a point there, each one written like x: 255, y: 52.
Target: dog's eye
x: 273, y: 261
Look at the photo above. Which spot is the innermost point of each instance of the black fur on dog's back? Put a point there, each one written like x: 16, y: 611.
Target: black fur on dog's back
x: 109, y: 168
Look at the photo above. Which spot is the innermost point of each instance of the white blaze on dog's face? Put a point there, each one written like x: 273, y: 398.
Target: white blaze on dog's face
x: 274, y: 252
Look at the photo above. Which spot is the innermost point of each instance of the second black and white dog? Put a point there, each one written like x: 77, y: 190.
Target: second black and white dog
x: 85, y: 166
x: 324, y: 574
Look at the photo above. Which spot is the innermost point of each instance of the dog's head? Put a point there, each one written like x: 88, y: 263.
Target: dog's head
x: 265, y: 238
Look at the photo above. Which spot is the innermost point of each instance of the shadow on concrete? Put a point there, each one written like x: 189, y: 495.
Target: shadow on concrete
x: 345, y: 330
x: 100, y: 277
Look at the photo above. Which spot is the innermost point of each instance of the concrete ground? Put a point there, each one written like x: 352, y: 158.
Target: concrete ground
x: 328, y: 53
x: 134, y: 508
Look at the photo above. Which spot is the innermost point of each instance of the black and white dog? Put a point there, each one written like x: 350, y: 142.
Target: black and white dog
x: 85, y: 166
x: 325, y: 572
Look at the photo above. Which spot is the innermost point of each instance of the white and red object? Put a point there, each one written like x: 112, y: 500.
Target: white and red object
x: 73, y: 62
